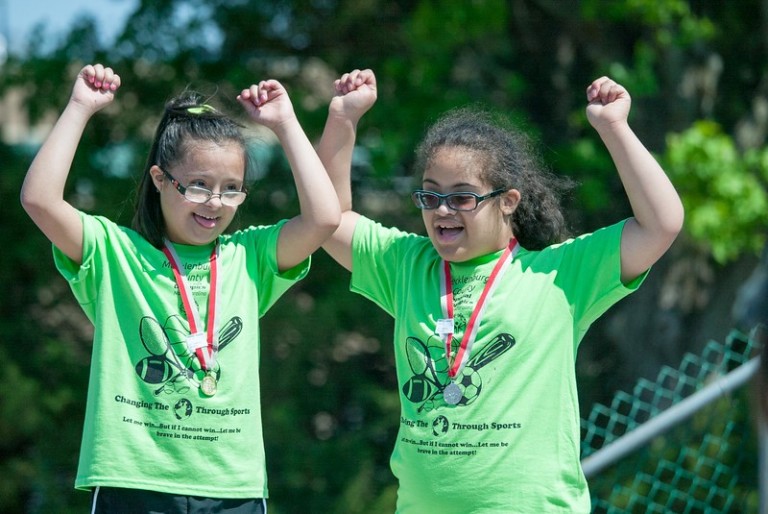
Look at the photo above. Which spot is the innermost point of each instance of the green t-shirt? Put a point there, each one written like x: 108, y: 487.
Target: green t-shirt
x: 511, y: 444
x: 147, y: 424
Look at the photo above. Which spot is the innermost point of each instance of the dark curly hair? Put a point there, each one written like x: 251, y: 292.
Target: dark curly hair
x: 509, y: 161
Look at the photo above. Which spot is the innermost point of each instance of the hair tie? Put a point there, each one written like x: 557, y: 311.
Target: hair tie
x: 201, y: 109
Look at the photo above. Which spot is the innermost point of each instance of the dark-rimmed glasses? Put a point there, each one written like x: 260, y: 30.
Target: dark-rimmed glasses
x: 199, y: 194
x: 462, y: 201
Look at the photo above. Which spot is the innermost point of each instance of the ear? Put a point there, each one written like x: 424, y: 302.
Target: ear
x: 157, y: 176
x: 509, y: 201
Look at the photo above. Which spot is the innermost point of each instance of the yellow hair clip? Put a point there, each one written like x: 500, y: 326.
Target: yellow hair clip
x: 201, y: 109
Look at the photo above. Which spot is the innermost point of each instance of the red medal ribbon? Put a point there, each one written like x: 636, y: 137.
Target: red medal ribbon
x: 446, y: 302
x: 203, y: 344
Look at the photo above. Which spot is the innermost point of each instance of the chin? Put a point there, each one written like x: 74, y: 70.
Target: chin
x: 201, y: 240
x: 451, y: 254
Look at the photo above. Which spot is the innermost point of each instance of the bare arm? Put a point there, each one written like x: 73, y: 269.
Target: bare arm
x: 42, y: 194
x: 268, y: 104
x: 355, y: 94
x: 656, y: 207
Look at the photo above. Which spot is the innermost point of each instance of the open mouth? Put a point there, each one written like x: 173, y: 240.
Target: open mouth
x: 206, y: 221
x: 448, y: 232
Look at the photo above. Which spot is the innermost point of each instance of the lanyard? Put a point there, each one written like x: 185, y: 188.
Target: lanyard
x: 445, y: 327
x: 200, y: 341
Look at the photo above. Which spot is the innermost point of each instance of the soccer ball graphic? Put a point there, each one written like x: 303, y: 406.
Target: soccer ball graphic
x: 471, y: 384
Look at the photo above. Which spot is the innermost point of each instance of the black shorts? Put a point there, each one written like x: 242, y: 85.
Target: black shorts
x: 115, y: 500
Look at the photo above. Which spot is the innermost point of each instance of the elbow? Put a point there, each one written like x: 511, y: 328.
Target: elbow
x: 670, y: 225
x: 673, y: 223
x: 31, y: 204
x: 327, y: 225
x: 41, y: 207
x: 334, y: 224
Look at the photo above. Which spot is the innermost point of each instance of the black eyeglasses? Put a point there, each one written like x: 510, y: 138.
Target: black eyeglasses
x: 464, y: 201
x: 199, y: 194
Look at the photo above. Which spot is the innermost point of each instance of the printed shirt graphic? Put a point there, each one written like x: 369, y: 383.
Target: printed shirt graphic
x: 147, y: 425
x: 511, y: 443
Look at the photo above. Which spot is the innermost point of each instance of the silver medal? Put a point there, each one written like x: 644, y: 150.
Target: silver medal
x: 452, y: 394
x: 208, y: 384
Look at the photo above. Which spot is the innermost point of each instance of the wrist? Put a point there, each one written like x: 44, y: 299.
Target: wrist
x: 342, y: 119
x: 612, y: 128
x: 81, y: 109
x: 286, y: 126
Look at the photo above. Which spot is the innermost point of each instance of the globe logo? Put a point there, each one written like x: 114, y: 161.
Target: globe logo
x: 440, y: 426
x: 182, y: 409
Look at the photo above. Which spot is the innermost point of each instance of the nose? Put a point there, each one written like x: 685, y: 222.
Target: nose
x: 442, y: 206
x: 217, y: 196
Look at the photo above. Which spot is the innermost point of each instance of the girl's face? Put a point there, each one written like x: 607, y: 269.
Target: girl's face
x: 463, y: 235
x: 218, y: 168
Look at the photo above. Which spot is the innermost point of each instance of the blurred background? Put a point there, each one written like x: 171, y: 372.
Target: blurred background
x: 697, y: 73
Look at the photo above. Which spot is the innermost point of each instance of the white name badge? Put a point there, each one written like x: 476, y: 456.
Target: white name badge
x: 444, y: 327
x: 196, y: 341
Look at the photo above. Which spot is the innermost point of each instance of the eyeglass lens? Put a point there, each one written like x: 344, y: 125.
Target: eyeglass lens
x: 455, y: 201
x: 198, y: 194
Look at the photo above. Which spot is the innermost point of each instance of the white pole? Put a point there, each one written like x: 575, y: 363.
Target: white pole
x: 665, y: 420
x: 763, y: 465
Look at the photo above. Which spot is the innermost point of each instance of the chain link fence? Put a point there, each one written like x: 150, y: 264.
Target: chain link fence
x: 686, y: 443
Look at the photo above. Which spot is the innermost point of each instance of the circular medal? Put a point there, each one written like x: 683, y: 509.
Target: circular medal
x: 208, y: 384
x: 452, y: 394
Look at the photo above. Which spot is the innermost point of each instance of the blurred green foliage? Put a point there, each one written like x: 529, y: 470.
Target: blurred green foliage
x: 330, y: 401
x: 723, y: 189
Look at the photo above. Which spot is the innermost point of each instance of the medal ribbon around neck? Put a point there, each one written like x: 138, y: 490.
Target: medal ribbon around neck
x: 202, y: 343
x: 446, y: 302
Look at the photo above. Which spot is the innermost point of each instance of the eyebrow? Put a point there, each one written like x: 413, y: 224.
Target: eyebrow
x: 211, y: 176
x: 452, y: 186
